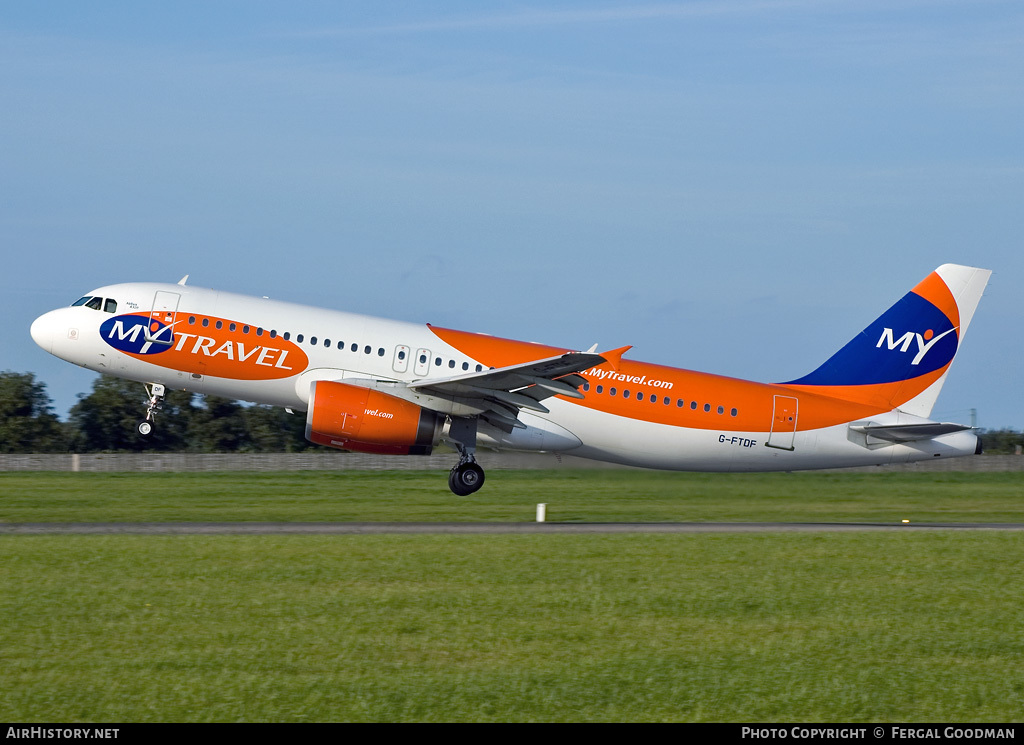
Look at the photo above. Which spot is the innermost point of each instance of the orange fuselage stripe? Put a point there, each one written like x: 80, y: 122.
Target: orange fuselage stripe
x: 753, y: 402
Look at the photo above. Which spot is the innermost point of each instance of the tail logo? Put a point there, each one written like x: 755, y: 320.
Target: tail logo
x: 924, y: 342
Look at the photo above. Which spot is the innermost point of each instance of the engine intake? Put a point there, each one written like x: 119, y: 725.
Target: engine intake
x: 350, y: 417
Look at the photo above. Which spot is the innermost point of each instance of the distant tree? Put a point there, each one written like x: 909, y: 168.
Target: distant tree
x: 27, y: 421
x: 1002, y: 441
x: 273, y: 430
x: 218, y: 425
x: 105, y: 419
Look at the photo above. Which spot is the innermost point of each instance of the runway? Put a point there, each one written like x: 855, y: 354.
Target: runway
x: 422, y: 528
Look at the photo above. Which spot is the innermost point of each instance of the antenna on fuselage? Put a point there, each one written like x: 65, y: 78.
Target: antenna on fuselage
x: 183, y: 280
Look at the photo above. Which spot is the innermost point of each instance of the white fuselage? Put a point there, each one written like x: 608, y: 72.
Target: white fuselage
x: 270, y: 352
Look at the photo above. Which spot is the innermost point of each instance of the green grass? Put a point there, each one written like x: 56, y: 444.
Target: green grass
x: 572, y: 496
x: 761, y: 628
x: 721, y: 627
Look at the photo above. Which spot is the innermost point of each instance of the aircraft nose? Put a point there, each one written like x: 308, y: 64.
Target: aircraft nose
x: 42, y: 331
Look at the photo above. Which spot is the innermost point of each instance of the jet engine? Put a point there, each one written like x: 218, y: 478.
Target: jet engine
x: 350, y: 417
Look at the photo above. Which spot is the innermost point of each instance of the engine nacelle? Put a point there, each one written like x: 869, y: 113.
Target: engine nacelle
x: 350, y: 417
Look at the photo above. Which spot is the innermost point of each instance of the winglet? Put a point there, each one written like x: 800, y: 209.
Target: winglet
x: 614, y: 357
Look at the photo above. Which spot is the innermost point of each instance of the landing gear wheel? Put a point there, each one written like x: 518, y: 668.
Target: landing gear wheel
x: 144, y: 428
x: 466, y: 478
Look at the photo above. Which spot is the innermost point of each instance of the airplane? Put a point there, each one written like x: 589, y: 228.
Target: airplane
x: 375, y: 385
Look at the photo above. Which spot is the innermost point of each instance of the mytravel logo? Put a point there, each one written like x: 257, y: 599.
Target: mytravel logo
x: 925, y: 342
x: 234, y: 351
x: 912, y: 339
x: 128, y: 334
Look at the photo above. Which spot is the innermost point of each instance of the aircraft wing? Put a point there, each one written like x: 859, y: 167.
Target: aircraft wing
x: 503, y: 391
x: 909, y: 432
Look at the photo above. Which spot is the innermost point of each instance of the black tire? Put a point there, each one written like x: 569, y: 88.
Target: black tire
x: 455, y: 485
x: 465, y: 479
x: 144, y: 429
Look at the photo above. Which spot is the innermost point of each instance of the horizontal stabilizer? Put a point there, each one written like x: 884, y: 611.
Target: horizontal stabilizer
x: 909, y: 432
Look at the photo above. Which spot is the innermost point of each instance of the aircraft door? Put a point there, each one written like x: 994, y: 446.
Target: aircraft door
x: 165, y: 311
x: 784, y: 417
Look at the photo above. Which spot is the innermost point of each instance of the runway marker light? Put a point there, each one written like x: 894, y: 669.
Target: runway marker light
x: 906, y: 521
x: 541, y: 512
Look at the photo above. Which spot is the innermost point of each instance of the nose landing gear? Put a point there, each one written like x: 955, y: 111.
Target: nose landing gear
x: 156, y: 402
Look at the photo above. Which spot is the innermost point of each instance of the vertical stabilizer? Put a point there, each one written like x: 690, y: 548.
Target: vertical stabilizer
x: 902, y: 359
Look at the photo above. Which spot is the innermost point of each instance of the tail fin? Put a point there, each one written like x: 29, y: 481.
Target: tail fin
x: 901, y: 360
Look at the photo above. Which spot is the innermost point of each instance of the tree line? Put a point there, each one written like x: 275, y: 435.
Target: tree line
x: 104, y: 421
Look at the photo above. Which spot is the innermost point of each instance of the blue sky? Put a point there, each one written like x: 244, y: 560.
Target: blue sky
x: 737, y: 187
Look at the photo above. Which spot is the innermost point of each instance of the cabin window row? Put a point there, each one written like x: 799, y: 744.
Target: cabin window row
x: 299, y: 338
x: 664, y: 400
x: 315, y: 341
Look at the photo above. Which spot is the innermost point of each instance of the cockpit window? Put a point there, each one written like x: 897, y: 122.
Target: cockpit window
x: 94, y: 303
x: 82, y: 301
x: 110, y: 306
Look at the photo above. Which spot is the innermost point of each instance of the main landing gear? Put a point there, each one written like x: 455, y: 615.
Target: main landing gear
x: 156, y: 402
x: 467, y: 476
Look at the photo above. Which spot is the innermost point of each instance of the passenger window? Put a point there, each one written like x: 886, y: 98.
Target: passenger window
x: 437, y: 362
x: 366, y: 349
x: 600, y: 389
x: 611, y: 391
x: 109, y: 306
x: 206, y: 322
x: 220, y: 324
x: 327, y: 342
x: 298, y: 339
x: 451, y: 363
x: 312, y: 341
x: 380, y: 352
x: 232, y: 327
x: 734, y: 412
x: 465, y: 365
x: 355, y: 347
